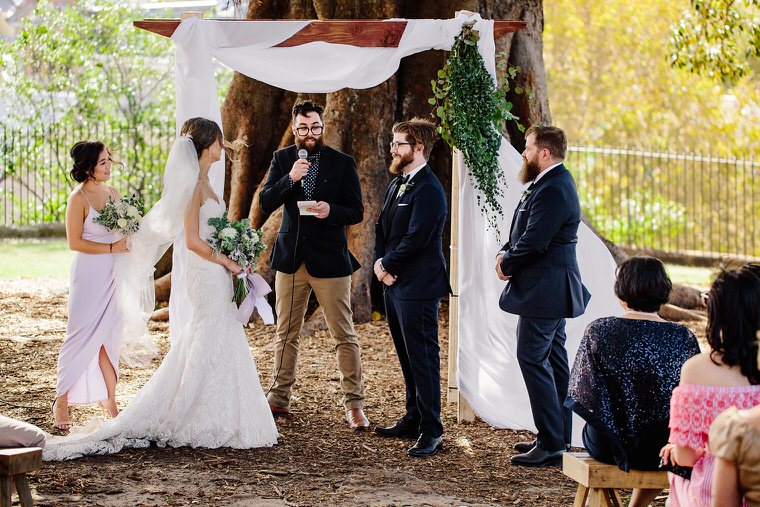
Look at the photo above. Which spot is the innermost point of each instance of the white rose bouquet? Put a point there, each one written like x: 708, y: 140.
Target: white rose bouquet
x: 239, y: 242
x: 122, y: 216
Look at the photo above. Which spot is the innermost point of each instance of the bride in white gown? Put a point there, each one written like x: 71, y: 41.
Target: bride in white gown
x: 206, y: 392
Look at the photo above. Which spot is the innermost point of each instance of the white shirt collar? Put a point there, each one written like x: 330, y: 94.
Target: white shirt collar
x: 416, y: 170
x: 543, y: 173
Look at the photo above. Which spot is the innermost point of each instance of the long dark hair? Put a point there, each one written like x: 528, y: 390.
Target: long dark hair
x: 733, y: 320
x: 85, y: 156
x: 203, y: 132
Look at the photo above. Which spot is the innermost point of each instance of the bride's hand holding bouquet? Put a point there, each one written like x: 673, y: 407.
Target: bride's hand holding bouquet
x: 241, y: 244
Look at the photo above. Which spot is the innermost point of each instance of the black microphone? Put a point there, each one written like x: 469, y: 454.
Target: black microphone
x: 303, y: 155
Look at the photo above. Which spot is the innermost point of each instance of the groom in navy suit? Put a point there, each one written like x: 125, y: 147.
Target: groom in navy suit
x: 410, y: 264
x: 544, y: 287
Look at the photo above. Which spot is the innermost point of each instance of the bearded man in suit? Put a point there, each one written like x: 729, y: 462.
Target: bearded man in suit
x: 544, y: 288
x: 311, y: 253
x: 410, y: 265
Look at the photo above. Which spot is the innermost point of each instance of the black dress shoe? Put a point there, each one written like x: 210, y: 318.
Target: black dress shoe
x: 537, y: 457
x: 426, y: 446
x: 399, y: 430
x: 523, y: 447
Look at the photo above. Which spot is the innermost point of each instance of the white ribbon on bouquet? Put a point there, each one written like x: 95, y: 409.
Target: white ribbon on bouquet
x: 257, y: 289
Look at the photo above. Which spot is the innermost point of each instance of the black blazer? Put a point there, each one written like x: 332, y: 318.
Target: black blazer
x: 320, y: 243
x: 409, y: 238
x: 545, y: 281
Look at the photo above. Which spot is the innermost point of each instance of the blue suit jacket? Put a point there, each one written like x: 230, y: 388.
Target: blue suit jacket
x: 408, y: 237
x: 545, y: 281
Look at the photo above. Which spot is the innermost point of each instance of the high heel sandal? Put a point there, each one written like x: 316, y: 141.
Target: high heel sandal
x: 106, y: 413
x: 59, y: 425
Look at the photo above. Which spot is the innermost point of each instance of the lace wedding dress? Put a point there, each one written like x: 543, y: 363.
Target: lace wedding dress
x: 205, y: 393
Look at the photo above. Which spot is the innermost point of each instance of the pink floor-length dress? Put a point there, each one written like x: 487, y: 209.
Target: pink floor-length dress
x: 94, y: 320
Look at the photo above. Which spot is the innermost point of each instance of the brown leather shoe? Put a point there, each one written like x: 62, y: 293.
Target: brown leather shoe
x: 357, y: 420
x: 278, y: 410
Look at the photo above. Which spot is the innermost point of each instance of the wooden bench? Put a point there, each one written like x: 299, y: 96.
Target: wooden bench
x: 14, y: 465
x: 599, y: 482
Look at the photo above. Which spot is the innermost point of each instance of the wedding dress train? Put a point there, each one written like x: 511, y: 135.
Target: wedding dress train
x: 205, y: 393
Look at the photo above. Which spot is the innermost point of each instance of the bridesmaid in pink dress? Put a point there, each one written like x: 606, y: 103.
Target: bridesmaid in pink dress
x: 88, y: 363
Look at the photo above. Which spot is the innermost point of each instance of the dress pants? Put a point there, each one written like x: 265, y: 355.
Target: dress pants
x: 543, y: 362
x: 334, y: 296
x: 414, y: 328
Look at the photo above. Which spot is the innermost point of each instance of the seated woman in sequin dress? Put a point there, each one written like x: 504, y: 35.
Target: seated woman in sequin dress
x: 625, y: 372
x: 711, y: 382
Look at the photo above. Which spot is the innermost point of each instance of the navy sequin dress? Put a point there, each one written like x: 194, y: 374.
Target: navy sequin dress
x: 621, y: 383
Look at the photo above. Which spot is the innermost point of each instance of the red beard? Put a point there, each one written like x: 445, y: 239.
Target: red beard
x: 529, y: 171
x: 400, y: 162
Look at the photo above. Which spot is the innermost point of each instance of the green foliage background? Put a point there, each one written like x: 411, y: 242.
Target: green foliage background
x: 611, y: 82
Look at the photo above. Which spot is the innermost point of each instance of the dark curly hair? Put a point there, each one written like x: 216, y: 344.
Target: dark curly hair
x: 643, y: 284
x: 306, y: 107
x: 85, y: 156
x: 733, y: 320
x: 203, y: 132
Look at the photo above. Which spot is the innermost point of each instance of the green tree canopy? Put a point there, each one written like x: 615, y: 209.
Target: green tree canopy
x: 718, y: 38
x: 611, y: 82
x: 85, y: 62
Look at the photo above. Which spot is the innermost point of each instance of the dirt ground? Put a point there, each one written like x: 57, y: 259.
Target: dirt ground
x: 319, y: 460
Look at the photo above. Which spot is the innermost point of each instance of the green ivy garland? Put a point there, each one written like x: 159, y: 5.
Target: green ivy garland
x: 471, y: 110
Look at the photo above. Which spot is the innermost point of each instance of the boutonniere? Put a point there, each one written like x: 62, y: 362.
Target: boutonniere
x: 404, y: 188
x: 525, y: 194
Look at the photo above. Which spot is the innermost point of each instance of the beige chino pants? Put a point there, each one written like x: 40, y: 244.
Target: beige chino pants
x: 334, y: 296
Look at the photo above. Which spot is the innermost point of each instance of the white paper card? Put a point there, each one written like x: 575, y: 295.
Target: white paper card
x: 303, y: 206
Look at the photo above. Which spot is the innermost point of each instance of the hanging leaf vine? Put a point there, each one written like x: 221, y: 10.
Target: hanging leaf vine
x: 471, y: 110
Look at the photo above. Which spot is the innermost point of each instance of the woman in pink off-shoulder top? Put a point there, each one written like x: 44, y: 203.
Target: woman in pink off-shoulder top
x: 711, y: 382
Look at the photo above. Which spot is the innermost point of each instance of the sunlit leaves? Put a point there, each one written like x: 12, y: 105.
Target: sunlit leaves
x: 717, y: 38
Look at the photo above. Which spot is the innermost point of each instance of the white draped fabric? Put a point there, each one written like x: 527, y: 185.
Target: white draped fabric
x: 488, y: 373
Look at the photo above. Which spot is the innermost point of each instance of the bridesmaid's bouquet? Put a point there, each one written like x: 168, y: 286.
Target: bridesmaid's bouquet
x: 123, y: 216
x: 239, y: 242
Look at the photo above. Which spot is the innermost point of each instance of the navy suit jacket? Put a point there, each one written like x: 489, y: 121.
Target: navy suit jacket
x: 545, y: 281
x: 320, y: 243
x: 409, y: 238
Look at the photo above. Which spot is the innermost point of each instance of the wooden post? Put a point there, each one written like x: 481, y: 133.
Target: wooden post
x: 464, y: 411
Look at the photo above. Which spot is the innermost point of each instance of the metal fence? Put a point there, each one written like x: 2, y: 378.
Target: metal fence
x: 35, y: 165
x: 675, y: 203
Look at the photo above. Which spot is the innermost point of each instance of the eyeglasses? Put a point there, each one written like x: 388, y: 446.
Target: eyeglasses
x: 314, y: 129
x: 395, y: 144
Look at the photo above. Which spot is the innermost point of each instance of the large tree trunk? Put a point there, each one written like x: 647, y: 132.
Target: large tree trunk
x: 358, y: 121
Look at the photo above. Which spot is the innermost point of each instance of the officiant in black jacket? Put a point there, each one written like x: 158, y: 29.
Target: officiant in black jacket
x: 544, y: 288
x: 311, y: 253
x: 410, y: 264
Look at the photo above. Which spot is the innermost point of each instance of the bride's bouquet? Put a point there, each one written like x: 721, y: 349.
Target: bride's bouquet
x: 123, y: 216
x: 239, y: 242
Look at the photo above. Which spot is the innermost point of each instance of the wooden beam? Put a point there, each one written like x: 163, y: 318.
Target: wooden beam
x: 368, y: 33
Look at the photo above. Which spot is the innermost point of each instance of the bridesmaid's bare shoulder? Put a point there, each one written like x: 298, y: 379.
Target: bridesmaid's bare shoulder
x: 76, y: 198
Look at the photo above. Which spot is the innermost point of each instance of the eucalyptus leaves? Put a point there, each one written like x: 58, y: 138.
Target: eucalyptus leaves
x: 471, y: 110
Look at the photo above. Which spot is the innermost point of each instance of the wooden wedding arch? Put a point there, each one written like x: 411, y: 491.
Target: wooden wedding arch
x: 372, y: 33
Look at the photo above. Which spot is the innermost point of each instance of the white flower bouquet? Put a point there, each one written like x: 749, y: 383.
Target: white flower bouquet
x: 122, y: 216
x: 239, y: 242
